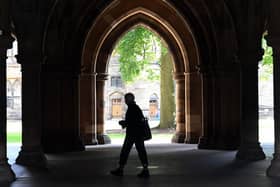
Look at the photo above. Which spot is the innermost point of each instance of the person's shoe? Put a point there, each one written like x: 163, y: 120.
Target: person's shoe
x: 117, y: 172
x: 144, y: 173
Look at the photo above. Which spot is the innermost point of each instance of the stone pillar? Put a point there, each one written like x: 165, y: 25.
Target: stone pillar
x: 31, y: 153
x: 6, y: 173
x: 274, y: 41
x: 100, y: 108
x: 180, y: 134
x: 274, y: 168
x: 204, y: 140
x: 87, y: 111
x: 193, y: 107
x: 250, y: 148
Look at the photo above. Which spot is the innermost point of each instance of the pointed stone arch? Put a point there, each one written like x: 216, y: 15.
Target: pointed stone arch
x: 202, y: 38
x: 115, y: 20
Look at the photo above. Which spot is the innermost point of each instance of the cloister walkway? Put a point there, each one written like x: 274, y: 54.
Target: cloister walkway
x: 170, y: 165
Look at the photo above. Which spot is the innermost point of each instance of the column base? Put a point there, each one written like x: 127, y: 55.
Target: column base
x: 89, y: 139
x: 203, y: 143
x: 178, y: 138
x: 192, y: 138
x: 103, y: 139
x: 215, y: 143
x: 274, y: 168
x: 33, y: 157
x: 250, y: 152
x: 6, y: 173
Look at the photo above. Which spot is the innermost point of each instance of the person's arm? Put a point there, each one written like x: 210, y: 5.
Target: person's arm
x: 123, y: 123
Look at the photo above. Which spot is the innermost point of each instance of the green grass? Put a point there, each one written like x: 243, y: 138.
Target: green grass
x: 116, y: 135
x: 155, y: 136
x: 13, y: 137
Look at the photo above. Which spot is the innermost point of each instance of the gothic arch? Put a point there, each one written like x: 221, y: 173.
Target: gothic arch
x: 100, y: 37
x: 196, y: 33
x: 112, y: 23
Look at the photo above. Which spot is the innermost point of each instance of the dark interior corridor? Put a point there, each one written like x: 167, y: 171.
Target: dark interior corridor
x: 192, y: 167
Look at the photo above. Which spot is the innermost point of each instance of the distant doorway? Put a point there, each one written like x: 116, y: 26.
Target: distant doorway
x: 154, y: 107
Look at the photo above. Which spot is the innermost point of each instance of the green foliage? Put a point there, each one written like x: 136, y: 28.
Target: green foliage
x: 267, y: 62
x: 268, y: 52
x: 142, y: 53
x: 137, y: 49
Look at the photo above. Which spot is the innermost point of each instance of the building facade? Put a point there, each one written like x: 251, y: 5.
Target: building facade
x: 147, y: 93
x: 13, y: 85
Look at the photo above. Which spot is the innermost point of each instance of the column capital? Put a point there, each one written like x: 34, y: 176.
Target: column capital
x: 273, y: 39
x: 86, y: 74
x: 6, y: 42
x: 29, y: 58
x: 179, y: 76
x: 229, y: 65
x: 205, y: 69
x: 251, y: 56
x: 31, y: 67
x: 101, y: 76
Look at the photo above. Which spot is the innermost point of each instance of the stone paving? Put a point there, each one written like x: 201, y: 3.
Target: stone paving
x: 170, y: 165
x: 173, y: 165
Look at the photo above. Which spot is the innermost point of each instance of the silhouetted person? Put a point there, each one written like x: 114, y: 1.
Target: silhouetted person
x: 133, y: 119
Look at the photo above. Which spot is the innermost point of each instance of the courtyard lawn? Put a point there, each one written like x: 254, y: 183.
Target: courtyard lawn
x: 14, y: 137
x: 117, y: 138
x: 266, y: 133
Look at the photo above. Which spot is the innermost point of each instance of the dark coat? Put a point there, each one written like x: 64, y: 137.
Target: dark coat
x: 134, y: 119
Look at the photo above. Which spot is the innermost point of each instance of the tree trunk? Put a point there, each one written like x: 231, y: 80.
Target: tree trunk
x: 167, y: 103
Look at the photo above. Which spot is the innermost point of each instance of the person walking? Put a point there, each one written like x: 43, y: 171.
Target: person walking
x: 133, y: 120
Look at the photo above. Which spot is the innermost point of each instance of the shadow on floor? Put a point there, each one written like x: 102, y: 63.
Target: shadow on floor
x: 170, y: 165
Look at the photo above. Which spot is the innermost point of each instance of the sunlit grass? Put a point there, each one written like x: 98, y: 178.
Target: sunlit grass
x: 14, y: 137
x: 158, y: 136
x: 265, y: 129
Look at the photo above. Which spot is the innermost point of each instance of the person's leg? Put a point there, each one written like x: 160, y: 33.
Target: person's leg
x: 127, y: 145
x: 142, y: 153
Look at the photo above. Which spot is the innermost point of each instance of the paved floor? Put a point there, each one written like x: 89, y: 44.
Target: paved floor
x: 170, y: 165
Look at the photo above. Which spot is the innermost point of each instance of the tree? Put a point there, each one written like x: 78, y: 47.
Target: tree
x: 267, y: 62
x: 167, y: 108
x: 137, y: 50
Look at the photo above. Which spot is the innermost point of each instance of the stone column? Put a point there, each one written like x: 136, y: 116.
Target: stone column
x: 87, y: 111
x: 273, y: 39
x: 100, y: 85
x: 6, y: 173
x: 206, y: 78
x: 193, y: 107
x: 31, y: 153
x: 274, y: 168
x: 250, y: 148
x: 180, y: 134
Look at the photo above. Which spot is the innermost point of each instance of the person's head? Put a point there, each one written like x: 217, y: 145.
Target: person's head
x: 129, y: 98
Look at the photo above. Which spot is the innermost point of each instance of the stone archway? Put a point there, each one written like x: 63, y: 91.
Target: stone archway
x: 201, y: 38
x: 109, y: 26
